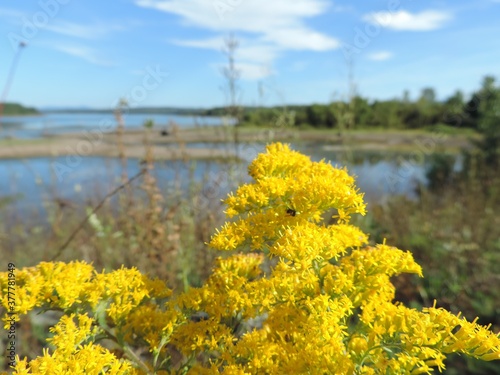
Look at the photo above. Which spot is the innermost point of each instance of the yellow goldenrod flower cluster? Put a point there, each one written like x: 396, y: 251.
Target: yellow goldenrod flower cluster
x: 301, y: 297
x: 74, y: 353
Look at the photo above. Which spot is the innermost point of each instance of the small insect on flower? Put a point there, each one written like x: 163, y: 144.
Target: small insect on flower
x: 291, y: 212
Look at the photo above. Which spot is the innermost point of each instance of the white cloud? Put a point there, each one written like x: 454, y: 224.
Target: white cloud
x: 87, y: 31
x: 270, y: 27
x: 403, y: 20
x: 380, y: 56
x: 84, y: 53
x: 248, y: 50
x: 246, y: 15
x: 254, y: 60
x: 211, y: 43
x: 257, y: 52
x: 247, y: 71
x: 254, y: 71
x: 302, y: 39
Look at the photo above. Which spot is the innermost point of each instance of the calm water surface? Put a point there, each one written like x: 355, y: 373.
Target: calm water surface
x: 56, y: 123
x: 28, y: 185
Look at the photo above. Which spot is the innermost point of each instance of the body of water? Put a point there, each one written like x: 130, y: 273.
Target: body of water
x: 49, y: 123
x: 29, y: 184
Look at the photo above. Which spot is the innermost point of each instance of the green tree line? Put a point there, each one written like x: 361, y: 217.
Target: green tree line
x: 424, y: 112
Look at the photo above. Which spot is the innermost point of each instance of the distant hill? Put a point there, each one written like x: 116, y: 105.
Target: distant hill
x: 15, y: 109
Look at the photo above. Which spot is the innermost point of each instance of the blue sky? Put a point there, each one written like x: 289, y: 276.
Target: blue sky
x: 168, y: 52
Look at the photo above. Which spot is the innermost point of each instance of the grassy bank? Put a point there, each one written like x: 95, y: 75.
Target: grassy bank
x: 176, y: 145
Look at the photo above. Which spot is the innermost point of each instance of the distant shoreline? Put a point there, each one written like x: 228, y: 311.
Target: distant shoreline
x: 142, y: 111
x: 177, y: 146
x: 39, y: 114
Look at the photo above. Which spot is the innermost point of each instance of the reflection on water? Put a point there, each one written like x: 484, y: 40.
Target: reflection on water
x: 30, y: 183
x: 378, y: 174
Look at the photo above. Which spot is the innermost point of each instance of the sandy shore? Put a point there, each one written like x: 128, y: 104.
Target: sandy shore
x: 181, y: 144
